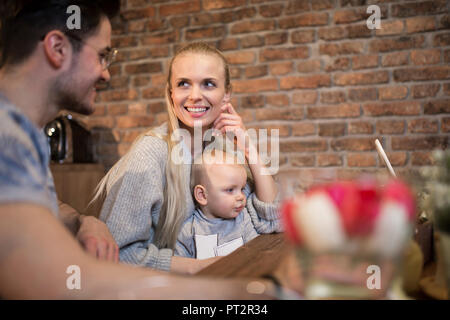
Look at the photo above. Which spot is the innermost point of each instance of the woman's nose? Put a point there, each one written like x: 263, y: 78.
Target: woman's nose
x: 195, y: 93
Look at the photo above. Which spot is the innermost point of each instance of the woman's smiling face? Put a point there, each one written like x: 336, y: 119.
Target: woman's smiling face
x: 198, y: 88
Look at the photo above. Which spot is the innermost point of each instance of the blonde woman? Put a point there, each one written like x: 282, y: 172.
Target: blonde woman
x: 146, y: 193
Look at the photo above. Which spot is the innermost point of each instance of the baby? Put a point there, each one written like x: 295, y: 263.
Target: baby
x: 227, y: 214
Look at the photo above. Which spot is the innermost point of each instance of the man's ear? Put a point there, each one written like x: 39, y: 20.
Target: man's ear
x: 57, y: 48
x: 200, y: 195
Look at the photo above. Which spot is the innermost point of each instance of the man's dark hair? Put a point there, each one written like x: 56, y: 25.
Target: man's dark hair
x: 26, y: 22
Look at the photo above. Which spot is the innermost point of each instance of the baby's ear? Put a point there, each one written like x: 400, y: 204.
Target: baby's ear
x: 200, y: 195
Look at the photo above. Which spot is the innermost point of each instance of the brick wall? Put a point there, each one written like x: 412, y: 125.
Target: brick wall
x: 310, y: 68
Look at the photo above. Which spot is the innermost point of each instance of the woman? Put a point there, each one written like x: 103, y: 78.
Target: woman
x: 146, y: 193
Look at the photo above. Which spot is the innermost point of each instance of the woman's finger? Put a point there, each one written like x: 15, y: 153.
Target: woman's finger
x: 229, y: 123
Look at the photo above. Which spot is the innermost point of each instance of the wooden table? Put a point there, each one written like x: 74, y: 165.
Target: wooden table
x: 255, y: 259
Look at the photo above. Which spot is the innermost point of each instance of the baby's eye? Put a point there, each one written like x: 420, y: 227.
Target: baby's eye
x: 229, y: 190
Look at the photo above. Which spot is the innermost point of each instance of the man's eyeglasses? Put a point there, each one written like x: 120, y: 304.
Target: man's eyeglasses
x: 106, y: 56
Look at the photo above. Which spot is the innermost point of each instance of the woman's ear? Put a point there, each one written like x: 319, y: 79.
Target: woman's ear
x: 56, y: 48
x: 200, y: 195
x: 227, y: 97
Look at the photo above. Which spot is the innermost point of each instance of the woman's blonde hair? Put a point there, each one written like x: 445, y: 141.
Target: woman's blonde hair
x: 174, y: 205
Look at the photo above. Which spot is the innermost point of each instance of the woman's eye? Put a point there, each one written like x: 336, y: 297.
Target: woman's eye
x: 210, y: 84
x: 182, y: 84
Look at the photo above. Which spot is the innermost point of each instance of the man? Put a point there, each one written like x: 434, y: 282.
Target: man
x: 44, y: 67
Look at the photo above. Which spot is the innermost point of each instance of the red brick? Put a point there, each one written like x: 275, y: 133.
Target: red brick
x: 441, y: 40
x: 437, y: 106
x: 447, y: 55
x: 422, y: 57
x: 394, y: 44
x: 322, y: 4
x: 100, y: 110
x: 306, y: 19
x: 332, y: 97
x: 390, y: 126
x: 137, y: 3
x: 280, y: 68
x: 306, y: 82
x: 235, y: 72
x: 208, y: 32
x: 392, y: 92
x: 404, y: 108
x: 338, y: 64
x: 156, y: 25
x: 152, y: 93
x: 179, y: 8
x: 138, y: 13
x: 137, y: 108
x: 252, y: 101
x: 328, y: 160
x: 156, y: 107
x: 395, y: 59
x: 420, y: 24
x: 418, y: 9
x: 335, y: 111
x: 179, y: 22
x: 276, y: 38
x: 272, y: 10
x: 425, y: 90
x: 361, y: 160
x: 138, y: 54
x: 445, y: 127
x: 161, y: 38
x: 140, y: 81
x: 297, y: 6
x: 151, y: 67
x: 360, y: 127
x: 364, y: 94
x: 417, y: 74
x: 423, y: 126
x: 134, y: 121
x: 123, y: 42
x: 389, y: 28
x: 333, y: 49
x: 278, y: 100
x: 228, y: 44
x: 159, y: 80
x: 101, y: 122
x: 333, y: 33
x: 252, y: 41
x: 240, y: 57
x: 444, y: 22
x: 358, y: 31
x: 119, y: 82
x: 117, y: 109
x: 118, y: 95
x: 159, y: 51
x: 446, y: 89
x: 353, y: 144
x: 309, y: 66
x: 304, y: 97
x: 256, y: 85
x: 332, y: 129
x: 303, y: 146
x: 252, y: 26
x: 303, y: 161
x: 279, y: 114
x: 271, y: 54
x: 346, y: 79
x: 396, y: 159
x: 422, y: 159
x: 419, y: 143
x: 303, y: 129
x: 303, y: 36
x: 221, y: 4
x: 256, y: 71
x: 363, y: 62
x: 283, y: 130
x: 137, y: 26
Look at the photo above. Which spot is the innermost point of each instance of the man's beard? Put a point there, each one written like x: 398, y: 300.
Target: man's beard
x: 67, y: 98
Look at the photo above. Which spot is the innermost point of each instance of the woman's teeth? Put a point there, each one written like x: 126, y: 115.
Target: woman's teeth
x: 195, y: 110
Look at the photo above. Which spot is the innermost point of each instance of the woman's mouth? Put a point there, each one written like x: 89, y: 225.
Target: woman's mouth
x: 196, y: 112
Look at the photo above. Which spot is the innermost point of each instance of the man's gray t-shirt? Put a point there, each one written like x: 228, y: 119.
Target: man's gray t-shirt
x: 24, y: 157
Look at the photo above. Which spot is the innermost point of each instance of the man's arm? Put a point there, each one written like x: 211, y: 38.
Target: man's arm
x: 36, y: 250
x: 92, y: 233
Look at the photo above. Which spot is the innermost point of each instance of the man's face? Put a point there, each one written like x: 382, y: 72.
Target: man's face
x: 75, y: 89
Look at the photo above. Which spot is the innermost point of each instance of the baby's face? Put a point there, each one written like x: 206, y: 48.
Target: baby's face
x: 224, y: 188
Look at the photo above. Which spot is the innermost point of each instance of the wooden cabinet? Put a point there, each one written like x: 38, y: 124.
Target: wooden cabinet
x: 75, y: 184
